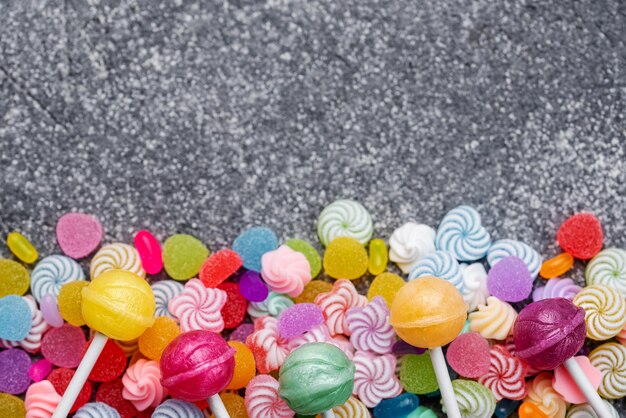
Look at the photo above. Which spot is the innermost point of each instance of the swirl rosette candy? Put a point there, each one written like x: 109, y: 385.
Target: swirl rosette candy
x: 345, y: 218
x: 585, y: 410
x: 474, y: 289
x: 557, y: 288
x: 506, y: 374
x: 285, y: 270
x: 263, y: 401
x: 267, y: 346
x: 51, y: 273
x: 608, y: 268
x: 142, y: 384
x: 494, y: 320
x: 97, y: 410
x: 272, y: 306
x: 353, y: 408
x: 409, y: 243
x: 32, y: 342
x: 375, y: 378
x: 41, y: 400
x: 543, y: 395
x: 605, y: 311
x: 461, y: 233
x: 610, y: 359
x: 507, y: 247
x: 164, y: 291
x: 198, y: 307
x: 116, y: 256
x: 439, y: 264
x: 320, y: 334
x: 335, y: 304
x: 175, y: 408
x: 474, y: 400
x: 370, y: 327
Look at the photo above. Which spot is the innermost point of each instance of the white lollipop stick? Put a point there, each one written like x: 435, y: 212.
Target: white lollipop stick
x: 586, y: 388
x: 81, y: 375
x: 217, y: 407
x: 445, y: 385
x: 328, y: 414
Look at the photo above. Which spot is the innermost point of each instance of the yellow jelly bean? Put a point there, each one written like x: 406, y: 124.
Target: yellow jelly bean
x: 312, y: 289
x: 14, y: 278
x: 556, y: 266
x: 378, y: 256
x: 345, y: 258
x: 21, y: 247
x: 385, y: 285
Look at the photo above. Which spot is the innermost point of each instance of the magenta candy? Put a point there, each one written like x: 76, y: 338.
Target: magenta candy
x: 548, y: 332
x: 14, y: 365
x: 510, y: 280
x: 241, y: 333
x: 50, y: 311
x: 39, y: 370
x: 149, y: 251
x: 196, y: 365
x: 298, y: 319
x: 252, y: 287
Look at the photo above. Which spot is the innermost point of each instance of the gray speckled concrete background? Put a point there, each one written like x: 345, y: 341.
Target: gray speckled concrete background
x: 206, y: 117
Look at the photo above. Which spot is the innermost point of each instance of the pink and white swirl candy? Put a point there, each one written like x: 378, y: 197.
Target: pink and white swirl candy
x: 375, y: 378
x: 41, y: 400
x: 370, y: 327
x: 335, y: 304
x: 198, y: 307
x: 262, y: 399
x: 32, y: 342
x: 285, y: 270
x: 557, y: 288
x: 506, y: 375
x: 268, y: 347
x: 142, y: 384
x: 320, y: 334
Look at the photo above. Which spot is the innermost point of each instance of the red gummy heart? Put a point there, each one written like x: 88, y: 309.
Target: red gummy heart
x: 581, y: 236
x: 219, y: 267
x: 110, y: 365
x: 234, y: 309
x: 60, y: 379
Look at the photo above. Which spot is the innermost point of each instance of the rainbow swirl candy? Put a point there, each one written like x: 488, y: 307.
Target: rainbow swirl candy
x: 557, y: 288
x: 164, y: 291
x: 370, y: 327
x: 610, y: 359
x: 175, y: 408
x: 461, y: 233
x: 439, y: 264
x: 353, y: 408
x: 96, y: 410
x: 585, y: 410
x: 375, y: 378
x: 409, y: 243
x: 542, y: 394
x: 262, y: 399
x: 608, y: 268
x: 506, y: 247
x: 142, y: 384
x: 506, y: 374
x: 345, y: 218
x: 51, y: 273
x: 335, y: 304
x: 494, y: 320
x: 474, y: 288
x: 116, y: 256
x: 474, y: 400
x: 605, y: 311
x: 272, y: 306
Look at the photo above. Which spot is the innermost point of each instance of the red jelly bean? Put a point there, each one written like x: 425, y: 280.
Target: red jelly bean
x: 111, y: 394
x: 149, y: 251
x: 234, y: 310
x: 581, y: 236
x: 60, y: 379
x: 219, y: 267
x: 110, y: 365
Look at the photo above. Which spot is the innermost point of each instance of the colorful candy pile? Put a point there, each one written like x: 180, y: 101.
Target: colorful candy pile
x: 275, y: 330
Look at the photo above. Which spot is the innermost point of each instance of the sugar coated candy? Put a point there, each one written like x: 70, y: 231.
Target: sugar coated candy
x: 14, y: 367
x: 417, y: 374
x: 78, y: 234
x: 510, y: 280
x: 298, y: 319
x: 110, y: 393
x: 60, y: 379
x: 461, y: 234
x: 235, y: 405
x: 70, y: 301
x: 11, y: 406
x: 581, y: 236
x: 14, y: 278
x: 345, y: 218
x: 312, y: 289
x: 385, y: 285
x: 219, y: 267
x: 345, y: 258
x: 21, y: 247
x: 16, y: 318
x: 154, y: 340
x: 183, y: 256
x: 63, y: 346
x: 234, y: 310
x: 311, y: 254
x: 149, y: 250
x: 245, y: 368
x: 468, y: 355
x: 252, y: 243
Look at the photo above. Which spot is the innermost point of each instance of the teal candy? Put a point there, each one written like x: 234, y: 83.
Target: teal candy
x: 315, y: 378
x: 402, y: 406
x: 466, y: 327
x: 423, y: 412
x: 506, y: 407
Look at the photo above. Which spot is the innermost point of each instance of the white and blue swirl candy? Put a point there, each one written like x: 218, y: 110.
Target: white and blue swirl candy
x: 164, y: 291
x: 507, y: 247
x: 273, y: 305
x: 175, y: 408
x: 440, y: 264
x: 96, y: 410
x: 461, y: 234
x: 51, y: 273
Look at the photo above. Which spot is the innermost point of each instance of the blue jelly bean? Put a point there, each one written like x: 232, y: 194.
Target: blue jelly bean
x: 506, y: 407
x: 252, y: 243
x: 399, y: 407
x: 15, y: 318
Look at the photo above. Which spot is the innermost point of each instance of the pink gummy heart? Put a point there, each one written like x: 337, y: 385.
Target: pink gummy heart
x: 563, y: 383
x: 78, y: 234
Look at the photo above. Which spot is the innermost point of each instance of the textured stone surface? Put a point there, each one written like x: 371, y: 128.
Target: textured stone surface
x: 207, y: 117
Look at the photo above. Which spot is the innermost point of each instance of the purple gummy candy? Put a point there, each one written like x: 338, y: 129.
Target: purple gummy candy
x: 241, y: 332
x: 298, y: 319
x: 549, y: 332
x: 40, y: 370
x: 557, y: 288
x: 252, y: 287
x: 14, y: 365
x: 401, y: 348
x: 510, y: 280
x: 50, y: 311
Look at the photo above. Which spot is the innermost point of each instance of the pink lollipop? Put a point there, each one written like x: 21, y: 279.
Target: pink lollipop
x: 197, y: 365
x: 550, y: 332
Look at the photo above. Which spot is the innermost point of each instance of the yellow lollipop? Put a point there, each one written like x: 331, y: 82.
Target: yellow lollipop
x: 430, y: 312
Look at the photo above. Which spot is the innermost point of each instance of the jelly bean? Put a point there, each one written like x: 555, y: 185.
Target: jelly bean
x: 506, y: 407
x: 50, y: 311
x: 149, y: 252
x: 39, y: 370
x: 556, y: 266
x: 21, y: 247
x: 245, y: 367
x: 14, y: 278
x: 252, y: 287
x: 402, y: 406
x: 345, y: 258
x: 385, y: 285
x: 378, y: 256
x: 530, y: 410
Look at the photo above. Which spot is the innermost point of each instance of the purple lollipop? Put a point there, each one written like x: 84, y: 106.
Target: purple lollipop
x: 252, y: 287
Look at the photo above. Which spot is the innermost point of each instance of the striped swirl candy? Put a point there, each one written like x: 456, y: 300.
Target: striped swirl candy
x: 268, y: 347
x: 96, y: 410
x: 474, y: 400
x: 506, y: 247
x: 41, y: 400
x: 557, y: 288
x: 542, y: 394
x: 320, y: 334
x: 506, y: 374
x: 608, y: 268
x: 175, y: 408
x: 610, y: 359
x: 461, y: 233
x: 370, y: 327
x: 345, y: 218
x: 164, y: 291
x: 335, y: 304
x: 51, y: 273
x: 440, y: 264
x: 263, y: 401
x: 585, y: 410
x: 375, y: 378
x: 494, y: 320
x: 116, y: 256
x: 475, y: 291
x: 353, y: 408
x: 199, y: 307
x: 409, y: 243
x: 605, y: 311
x: 272, y: 306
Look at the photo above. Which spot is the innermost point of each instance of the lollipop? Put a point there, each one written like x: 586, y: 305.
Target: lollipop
x: 550, y: 332
x: 430, y: 312
x: 196, y: 366
x: 315, y: 378
x: 117, y: 304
